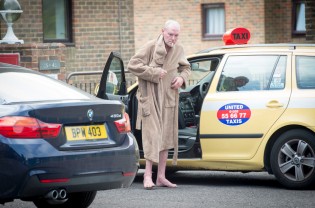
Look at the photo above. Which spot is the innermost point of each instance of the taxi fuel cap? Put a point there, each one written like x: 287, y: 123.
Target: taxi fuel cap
x: 235, y: 36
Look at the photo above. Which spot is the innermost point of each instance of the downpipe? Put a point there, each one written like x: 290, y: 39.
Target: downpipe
x: 56, y: 196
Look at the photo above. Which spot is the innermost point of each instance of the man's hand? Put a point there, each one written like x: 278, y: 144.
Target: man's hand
x: 177, y: 83
x: 163, y: 73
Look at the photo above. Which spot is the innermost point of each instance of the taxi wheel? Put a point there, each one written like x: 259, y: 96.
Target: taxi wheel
x: 292, y: 159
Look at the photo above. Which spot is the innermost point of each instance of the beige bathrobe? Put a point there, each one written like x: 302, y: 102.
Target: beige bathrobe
x: 157, y: 101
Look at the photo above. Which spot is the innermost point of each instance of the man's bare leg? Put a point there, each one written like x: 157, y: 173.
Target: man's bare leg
x: 161, y: 179
x: 147, y: 177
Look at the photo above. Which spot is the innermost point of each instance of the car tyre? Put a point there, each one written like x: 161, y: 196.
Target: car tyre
x: 292, y: 159
x: 78, y: 200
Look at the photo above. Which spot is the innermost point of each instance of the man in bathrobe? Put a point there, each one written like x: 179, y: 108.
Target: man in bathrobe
x: 161, y: 68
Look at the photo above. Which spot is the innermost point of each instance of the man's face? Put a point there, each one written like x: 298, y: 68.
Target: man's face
x: 240, y: 82
x: 170, y: 35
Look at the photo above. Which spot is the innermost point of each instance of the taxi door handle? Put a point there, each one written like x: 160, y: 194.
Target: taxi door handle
x: 274, y: 104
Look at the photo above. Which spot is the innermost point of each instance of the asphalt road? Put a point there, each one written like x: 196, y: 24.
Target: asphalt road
x: 203, y: 189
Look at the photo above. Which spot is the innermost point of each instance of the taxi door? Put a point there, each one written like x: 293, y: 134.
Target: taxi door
x: 246, y: 97
x: 113, y: 82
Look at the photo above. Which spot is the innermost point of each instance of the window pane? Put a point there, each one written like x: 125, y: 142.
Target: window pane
x: 278, y: 78
x: 305, y: 72
x: 200, y: 69
x: 55, y: 19
x: 114, y: 77
x: 244, y: 73
x: 215, y: 19
x: 300, y: 17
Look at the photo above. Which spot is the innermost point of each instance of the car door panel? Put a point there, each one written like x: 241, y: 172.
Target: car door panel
x: 233, y: 123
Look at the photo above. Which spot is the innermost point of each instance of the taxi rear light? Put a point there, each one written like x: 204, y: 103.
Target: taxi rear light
x: 123, y: 125
x: 27, y: 127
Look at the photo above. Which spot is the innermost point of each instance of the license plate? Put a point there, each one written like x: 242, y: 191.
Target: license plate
x: 93, y: 132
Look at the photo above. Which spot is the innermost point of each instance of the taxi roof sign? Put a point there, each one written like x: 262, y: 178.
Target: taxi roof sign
x: 237, y: 35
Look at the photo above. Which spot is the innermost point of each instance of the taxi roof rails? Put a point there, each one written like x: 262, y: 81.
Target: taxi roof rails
x: 292, y: 46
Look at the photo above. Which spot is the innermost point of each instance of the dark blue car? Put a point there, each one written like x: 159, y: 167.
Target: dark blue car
x: 58, y: 144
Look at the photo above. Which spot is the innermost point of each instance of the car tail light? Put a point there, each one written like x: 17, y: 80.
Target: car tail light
x: 56, y: 180
x: 27, y: 127
x: 129, y: 174
x: 123, y: 125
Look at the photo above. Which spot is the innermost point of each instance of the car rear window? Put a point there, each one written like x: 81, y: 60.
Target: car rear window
x: 305, y: 72
x: 28, y: 87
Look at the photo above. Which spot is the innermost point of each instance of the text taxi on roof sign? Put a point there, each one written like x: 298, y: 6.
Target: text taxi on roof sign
x: 246, y: 108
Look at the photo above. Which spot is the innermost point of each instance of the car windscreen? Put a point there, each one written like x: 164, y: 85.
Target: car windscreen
x: 30, y: 87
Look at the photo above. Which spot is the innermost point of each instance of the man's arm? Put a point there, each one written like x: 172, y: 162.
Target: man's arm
x: 139, y: 65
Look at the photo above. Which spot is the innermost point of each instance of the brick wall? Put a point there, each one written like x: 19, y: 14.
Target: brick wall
x: 31, y: 55
x: 99, y: 27
x: 310, y: 20
x: 102, y: 26
x: 279, y: 22
x: 269, y: 21
x: 29, y: 26
x: 150, y: 17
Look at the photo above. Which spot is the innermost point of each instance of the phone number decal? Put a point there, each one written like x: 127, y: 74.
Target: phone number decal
x: 234, y: 114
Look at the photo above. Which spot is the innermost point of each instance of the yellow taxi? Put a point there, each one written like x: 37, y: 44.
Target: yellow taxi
x: 246, y: 108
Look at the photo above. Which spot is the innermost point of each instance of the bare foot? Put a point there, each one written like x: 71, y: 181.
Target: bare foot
x: 148, y: 183
x: 164, y: 182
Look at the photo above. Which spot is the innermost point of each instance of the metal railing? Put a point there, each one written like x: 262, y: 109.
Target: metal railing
x: 85, y: 86
x: 89, y: 86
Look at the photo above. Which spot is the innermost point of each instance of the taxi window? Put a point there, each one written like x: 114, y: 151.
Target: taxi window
x: 201, y: 68
x: 305, y: 72
x: 247, y: 73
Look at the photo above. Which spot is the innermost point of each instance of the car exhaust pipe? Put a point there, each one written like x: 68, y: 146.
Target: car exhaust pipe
x: 62, y: 194
x: 52, y: 195
x: 57, y: 196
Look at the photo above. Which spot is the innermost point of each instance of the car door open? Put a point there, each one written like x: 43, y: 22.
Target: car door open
x: 113, y: 82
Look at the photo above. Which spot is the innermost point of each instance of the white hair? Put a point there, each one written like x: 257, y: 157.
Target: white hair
x: 170, y: 23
